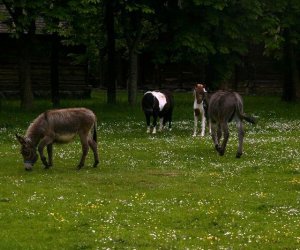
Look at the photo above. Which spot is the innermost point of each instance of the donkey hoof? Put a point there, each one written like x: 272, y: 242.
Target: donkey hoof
x: 95, y: 164
x: 221, y: 151
x: 79, y: 167
x: 238, y: 155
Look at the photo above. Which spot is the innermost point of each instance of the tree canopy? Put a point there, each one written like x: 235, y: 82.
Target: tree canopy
x: 216, y: 33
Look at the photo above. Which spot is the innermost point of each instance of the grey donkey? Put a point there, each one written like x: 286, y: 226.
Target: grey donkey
x: 59, y: 126
x: 223, y: 107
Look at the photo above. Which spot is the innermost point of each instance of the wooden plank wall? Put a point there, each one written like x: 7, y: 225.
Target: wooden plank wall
x: 72, y: 77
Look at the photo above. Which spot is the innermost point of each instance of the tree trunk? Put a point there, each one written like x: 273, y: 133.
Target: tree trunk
x: 24, y: 46
x: 133, y: 78
x: 111, y: 78
x: 291, y: 72
x: 54, y: 71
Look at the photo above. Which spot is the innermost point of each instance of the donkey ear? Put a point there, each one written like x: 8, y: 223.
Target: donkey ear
x: 20, y: 139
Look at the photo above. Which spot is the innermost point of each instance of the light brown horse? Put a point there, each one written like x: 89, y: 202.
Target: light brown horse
x: 59, y: 126
x: 200, y: 108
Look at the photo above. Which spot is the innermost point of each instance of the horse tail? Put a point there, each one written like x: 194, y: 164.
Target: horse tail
x: 95, y: 131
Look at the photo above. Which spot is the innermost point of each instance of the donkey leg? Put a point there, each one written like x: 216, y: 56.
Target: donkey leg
x: 85, y: 149
x: 214, y: 136
x: 50, y: 153
x: 93, y: 145
x: 43, y: 143
x: 241, y: 134
x: 224, y: 127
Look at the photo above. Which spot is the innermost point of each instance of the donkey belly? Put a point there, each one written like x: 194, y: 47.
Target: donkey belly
x: 64, y: 138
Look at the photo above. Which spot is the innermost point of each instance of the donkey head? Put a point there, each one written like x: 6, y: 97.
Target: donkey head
x: 199, y: 92
x: 28, y: 152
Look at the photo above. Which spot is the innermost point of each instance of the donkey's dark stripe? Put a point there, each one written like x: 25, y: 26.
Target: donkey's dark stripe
x: 158, y: 104
x: 225, y: 106
x: 59, y: 126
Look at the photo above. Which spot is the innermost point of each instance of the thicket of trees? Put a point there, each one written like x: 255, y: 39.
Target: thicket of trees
x: 215, y: 32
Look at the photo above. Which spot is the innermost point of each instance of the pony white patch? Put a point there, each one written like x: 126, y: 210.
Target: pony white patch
x: 162, y: 100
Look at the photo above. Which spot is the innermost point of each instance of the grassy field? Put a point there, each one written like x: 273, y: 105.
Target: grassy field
x: 163, y: 191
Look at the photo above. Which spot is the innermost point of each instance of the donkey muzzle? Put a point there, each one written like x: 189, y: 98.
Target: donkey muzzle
x: 28, y: 166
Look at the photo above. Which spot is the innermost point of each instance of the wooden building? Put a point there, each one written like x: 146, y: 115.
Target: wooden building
x: 72, y: 77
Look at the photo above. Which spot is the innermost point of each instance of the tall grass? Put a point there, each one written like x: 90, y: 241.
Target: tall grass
x: 164, y: 191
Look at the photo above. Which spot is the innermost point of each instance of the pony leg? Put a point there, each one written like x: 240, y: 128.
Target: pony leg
x: 148, y: 122
x: 154, y: 123
x: 93, y: 145
x: 43, y: 143
x: 161, y: 124
x: 85, y: 149
x: 241, y: 134
x: 170, y: 119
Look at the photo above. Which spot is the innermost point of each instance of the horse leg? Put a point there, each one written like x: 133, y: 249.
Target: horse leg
x: 43, y: 143
x: 203, y: 122
x: 148, y: 122
x: 85, y: 149
x: 93, y: 145
x: 196, y: 115
x: 50, y: 153
x: 241, y: 134
x: 224, y: 128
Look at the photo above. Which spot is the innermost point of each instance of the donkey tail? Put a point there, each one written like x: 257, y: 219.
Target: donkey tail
x: 249, y: 119
x: 241, y: 114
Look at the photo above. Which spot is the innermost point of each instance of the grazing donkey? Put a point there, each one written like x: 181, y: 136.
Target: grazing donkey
x: 158, y: 104
x: 200, y: 108
x: 223, y: 107
x: 59, y: 126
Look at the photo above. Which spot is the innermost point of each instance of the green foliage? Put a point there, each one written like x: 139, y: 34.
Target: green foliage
x: 168, y: 190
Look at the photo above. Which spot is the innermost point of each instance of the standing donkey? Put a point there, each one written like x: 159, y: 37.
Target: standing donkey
x: 158, y: 104
x: 200, y: 108
x: 59, y: 126
x: 223, y: 107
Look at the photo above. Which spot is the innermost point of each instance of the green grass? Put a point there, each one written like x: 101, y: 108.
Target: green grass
x: 164, y: 191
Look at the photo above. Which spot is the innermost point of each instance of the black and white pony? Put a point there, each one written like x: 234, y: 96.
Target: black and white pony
x: 158, y: 104
x: 223, y: 107
x: 200, y: 108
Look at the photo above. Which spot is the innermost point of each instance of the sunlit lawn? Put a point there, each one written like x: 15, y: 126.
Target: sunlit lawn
x: 164, y: 191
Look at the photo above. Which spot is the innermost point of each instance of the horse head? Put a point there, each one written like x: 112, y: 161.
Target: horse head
x: 28, y: 152
x: 199, y: 92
